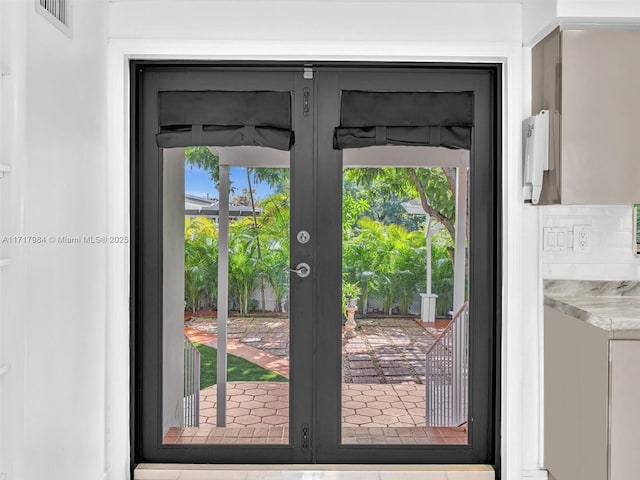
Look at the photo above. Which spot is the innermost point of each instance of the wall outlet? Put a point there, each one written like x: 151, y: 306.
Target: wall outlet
x: 555, y: 239
x: 582, y: 238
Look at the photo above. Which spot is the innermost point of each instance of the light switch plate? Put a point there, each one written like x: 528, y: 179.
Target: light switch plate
x: 555, y: 239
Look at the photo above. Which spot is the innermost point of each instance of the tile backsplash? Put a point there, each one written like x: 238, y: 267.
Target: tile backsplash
x: 611, y: 256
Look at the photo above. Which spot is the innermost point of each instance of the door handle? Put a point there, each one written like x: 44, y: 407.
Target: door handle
x: 303, y: 270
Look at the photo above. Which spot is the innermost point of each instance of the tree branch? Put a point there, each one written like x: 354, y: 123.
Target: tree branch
x: 450, y: 173
x: 428, y: 208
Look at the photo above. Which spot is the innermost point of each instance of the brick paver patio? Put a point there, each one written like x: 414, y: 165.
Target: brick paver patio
x: 257, y: 413
x: 383, y: 396
x: 268, y: 334
x: 381, y: 350
x: 387, y: 351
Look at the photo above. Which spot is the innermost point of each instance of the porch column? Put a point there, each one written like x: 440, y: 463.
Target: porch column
x: 459, y: 274
x: 459, y: 270
x: 223, y: 295
x: 427, y: 233
x: 428, y: 299
x: 172, y: 287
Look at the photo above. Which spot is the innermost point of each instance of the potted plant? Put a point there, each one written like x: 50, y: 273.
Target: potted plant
x: 350, y: 294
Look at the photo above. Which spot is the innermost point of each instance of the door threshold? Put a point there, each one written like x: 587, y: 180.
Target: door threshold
x: 164, y: 471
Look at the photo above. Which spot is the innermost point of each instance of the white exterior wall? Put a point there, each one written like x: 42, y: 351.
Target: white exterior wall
x: 64, y: 323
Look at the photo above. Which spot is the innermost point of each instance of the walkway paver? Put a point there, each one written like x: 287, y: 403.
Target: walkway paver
x: 367, y: 405
x: 257, y: 412
x: 386, y: 351
x: 248, y: 403
x: 381, y: 350
x: 234, y: 347
x: 268, y: 334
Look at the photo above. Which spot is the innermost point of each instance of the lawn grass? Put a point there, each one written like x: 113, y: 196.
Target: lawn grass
x: 238, y: 369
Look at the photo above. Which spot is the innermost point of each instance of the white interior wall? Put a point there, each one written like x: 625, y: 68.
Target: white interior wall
x: 12, y: 342
x: 600, y: 10
x: 539, y: 17
x: 522, y: 286
x: 326, y: 21
x: 53, y: 297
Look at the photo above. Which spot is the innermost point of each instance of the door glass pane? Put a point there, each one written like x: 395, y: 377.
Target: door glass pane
x: 249, y: 274
x: 405, y: 326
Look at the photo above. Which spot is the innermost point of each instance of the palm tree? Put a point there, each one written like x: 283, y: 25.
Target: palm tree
x: 200, y: 261
x: 388, y: 259
x: 243, y: 262
x: 274, y: 225
x: 361, y: 257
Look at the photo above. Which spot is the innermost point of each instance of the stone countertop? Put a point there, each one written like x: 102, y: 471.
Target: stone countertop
x: 610, y: 305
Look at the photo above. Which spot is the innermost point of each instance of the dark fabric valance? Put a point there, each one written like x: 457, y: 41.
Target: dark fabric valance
x: 404, y: 118
x: 225, y: 119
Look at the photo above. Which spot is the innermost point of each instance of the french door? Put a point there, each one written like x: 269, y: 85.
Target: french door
x: 245, y: 346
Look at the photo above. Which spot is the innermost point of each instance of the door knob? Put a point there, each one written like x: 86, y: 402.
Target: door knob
x: 302, y: 270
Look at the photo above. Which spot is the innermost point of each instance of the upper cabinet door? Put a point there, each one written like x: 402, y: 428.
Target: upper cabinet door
x: 589, y: 79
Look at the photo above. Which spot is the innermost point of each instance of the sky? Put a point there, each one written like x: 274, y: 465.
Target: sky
x: 197, y: 182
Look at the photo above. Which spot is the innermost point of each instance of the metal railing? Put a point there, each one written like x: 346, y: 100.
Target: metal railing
x: 191, y: 390
x: 447, y: 373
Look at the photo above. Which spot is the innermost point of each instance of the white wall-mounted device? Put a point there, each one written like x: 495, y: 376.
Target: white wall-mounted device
x: 536, y: 155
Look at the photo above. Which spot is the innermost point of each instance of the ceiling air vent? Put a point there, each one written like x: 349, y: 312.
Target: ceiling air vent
x: 58, y: 12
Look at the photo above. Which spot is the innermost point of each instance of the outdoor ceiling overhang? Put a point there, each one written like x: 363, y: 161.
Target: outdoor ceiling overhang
x: 374, y: 157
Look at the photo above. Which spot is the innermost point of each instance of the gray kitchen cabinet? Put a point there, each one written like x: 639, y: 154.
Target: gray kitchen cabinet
x: 625, y: 414
x: 576, y: 360
x: 591, y: 399
x: 589, y: 81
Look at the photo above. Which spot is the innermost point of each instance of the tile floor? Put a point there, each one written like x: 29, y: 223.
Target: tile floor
x: 313, y: 472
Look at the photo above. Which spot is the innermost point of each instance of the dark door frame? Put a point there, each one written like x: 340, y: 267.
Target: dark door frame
x: 484, y: 236
x: 147, y: 275
x: 485, y: 81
